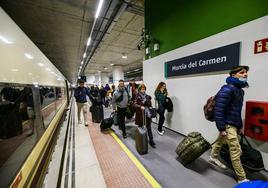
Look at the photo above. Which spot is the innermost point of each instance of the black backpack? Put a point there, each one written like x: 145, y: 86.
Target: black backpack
x: 168, y: 104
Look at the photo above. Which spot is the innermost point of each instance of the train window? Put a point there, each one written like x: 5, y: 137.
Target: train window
x: 60, y: 97
x: 17, y: 129
x: 48, y: 96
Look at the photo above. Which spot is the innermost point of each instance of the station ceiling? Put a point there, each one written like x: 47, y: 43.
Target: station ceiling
x: 60, y: 29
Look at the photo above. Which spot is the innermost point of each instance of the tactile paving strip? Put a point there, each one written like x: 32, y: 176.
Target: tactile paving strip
x: 117, y: 168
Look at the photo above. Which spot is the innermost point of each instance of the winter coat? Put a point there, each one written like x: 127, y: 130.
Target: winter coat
x: 160, y: 97
x: 228, y: 105
x: 81, y: 94
x: 141, y: 100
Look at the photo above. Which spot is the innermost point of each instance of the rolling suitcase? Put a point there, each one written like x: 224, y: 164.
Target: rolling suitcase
x: 141, y: 139
x: 191, y: 147
x: 97, y: 113
x: 107, y: 122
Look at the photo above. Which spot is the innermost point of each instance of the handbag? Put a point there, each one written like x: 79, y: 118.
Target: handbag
x: 108, y: 122
x: 251, y: 158
x: 160, y: 109
x: 152, y: 112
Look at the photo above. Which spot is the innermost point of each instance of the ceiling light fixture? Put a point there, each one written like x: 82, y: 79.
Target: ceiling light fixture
x: 124, y: 56
x: 5, y: 40
x: 105, y: 68
x: 14, y: 70
x: 98, y: 9
x: 112, y: 64
x: 82, y: 62
x: 48, y: 69
x: 28, y: 56
x: 84, y: 55
x: 88, y: 41
x: 41, y: 64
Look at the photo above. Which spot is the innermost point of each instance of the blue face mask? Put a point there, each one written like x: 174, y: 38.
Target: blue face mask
x: 243, y: 79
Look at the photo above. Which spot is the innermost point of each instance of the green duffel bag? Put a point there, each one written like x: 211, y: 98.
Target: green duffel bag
x: 191, y: 147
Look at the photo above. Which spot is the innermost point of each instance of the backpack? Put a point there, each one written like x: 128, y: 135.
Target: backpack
x: 209, y: 109
x: 168, y: 104
x: 210, y: 104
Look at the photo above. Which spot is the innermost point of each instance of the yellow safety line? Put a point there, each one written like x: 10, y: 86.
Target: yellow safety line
x: 141, y: 168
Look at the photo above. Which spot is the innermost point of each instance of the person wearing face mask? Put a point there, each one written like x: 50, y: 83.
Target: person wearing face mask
x: 161, y: 96
x: 120, y: 101
x: 142, y: 104
x: 227, y: 115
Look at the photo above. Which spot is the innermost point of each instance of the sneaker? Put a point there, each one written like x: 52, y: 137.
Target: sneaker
x: 243, y: 180
x: 160, y: 133
x: 86, y: 124
x: 124, y: 135
x: 216, y: 162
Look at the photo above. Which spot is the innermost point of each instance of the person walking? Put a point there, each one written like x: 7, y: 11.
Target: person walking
x: 227, y: 115
x: 80, y: 94
x: 120, y: 101
x: 160, y: 97
x: 142, y: 104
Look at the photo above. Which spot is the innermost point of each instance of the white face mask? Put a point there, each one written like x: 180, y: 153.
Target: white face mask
x: 242, y: 79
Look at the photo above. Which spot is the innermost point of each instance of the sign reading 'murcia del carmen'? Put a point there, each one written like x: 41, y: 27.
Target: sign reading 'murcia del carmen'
x: 218, y: 59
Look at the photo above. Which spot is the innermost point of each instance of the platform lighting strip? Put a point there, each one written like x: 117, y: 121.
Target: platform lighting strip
x: 89, y: 38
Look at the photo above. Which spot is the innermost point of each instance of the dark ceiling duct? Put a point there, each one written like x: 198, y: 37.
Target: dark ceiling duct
x: 105, y: 24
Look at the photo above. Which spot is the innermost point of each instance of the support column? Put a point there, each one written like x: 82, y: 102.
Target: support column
x: 98, y: 79
x: 90, y: 79
x: 118, y: 74
x: 104, y: 79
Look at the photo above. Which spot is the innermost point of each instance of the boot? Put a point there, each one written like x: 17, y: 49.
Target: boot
x: 152, y: 144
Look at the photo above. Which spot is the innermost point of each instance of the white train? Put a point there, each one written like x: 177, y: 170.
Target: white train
x: 34, y: 95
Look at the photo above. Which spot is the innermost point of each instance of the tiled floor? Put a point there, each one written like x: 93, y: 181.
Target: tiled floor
x: 87, y: 169
x: 117, y: 168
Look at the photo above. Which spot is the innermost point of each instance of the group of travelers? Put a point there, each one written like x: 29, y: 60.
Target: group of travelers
x: 227, y: 113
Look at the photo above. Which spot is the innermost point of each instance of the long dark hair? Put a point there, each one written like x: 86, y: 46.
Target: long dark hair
x: 159, y: 87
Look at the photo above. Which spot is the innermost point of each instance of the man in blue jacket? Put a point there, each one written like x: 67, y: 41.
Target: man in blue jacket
x: 227, y: 114
x: 80, y: 94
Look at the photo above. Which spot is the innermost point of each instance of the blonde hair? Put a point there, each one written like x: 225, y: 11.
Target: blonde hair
x: 141, y: 86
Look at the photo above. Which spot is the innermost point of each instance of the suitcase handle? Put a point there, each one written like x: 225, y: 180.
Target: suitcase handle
x: 144, y: 117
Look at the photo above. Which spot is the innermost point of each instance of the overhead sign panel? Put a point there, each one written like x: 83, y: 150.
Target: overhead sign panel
x: 218, y: 59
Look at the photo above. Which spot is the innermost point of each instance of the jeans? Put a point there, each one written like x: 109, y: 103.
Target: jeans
x: 161, y: 121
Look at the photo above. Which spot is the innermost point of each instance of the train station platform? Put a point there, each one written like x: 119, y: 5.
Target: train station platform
x: 104, y: 159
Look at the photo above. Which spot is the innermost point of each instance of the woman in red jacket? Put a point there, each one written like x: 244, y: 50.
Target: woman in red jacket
x: 142, y: 104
